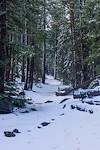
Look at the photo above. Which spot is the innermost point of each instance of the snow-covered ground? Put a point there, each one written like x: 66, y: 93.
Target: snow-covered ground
x: 69, y: 129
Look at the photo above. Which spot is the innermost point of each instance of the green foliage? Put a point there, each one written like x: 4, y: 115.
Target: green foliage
x: 20, y: 103
x: 70, y: 49
x: 2, y: 97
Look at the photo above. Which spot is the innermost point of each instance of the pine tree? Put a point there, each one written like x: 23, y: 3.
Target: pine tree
x: 2, y: 43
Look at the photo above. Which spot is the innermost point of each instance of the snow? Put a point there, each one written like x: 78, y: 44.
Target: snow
x: 92, y: 21
x: 70, y: 129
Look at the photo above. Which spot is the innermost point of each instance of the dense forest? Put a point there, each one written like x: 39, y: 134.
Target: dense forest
x: 49, y: 74
x: 57, y: 37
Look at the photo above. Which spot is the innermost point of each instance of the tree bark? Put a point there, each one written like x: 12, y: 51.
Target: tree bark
x: 44, y: 45
x: 2, y: 43
x: 72, y: 25
x: 17, y: 68
x: 27, y: 75
x: 8, y: 66
x: 12, y: 64
x: 23, y: 69
x: 31, y: 73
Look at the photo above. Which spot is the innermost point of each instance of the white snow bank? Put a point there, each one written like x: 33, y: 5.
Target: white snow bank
x: 68, y: 129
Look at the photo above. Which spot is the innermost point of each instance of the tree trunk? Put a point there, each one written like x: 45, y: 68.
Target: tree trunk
x: 23, y: 69
x: 2, y: 43
x: 44, y: 63
x: 55, y: 58
x: 27, y: 75
x: 31, y: 73
x: 17, y: 68
x: 55, y: 66
x: 44, y: 45
x: 8, y: 66
x: 12, y: 64
x: 72, y: 25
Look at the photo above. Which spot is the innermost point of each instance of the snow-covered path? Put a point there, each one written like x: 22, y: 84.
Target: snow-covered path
x: 68, y: 129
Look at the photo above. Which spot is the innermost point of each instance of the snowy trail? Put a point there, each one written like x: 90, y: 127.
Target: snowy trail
x: 68, y: 129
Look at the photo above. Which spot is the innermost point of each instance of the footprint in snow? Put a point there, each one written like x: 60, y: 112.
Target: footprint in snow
x: 28, y: 130
x: 43, y: 124
x: 77, y: 138
x: 78, y: 148
x: 11, y: 133
x: 52, y: 119
x: 56, y: 146
x: 39, y: 127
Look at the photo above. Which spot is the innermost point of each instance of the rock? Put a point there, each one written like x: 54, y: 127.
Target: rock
x: 89, y: 95
x: 80, y: 109
x: 64, y: 91
x: 16, y: 131
x: 22, y: 93
x: 61, y: 93
x: 62, y: 114
x: 9, y: 134
x: 33, y: 109
x: 39, y: 127
x: 33, y: 91
x: 72, y: 107
x: 80, y: 96
x: 25, y: 111
x: 45, y: 124
x: 30, y: 103
x: 91, y: 111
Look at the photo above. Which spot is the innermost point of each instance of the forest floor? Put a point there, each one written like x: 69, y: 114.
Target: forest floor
x: 63, y: 129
